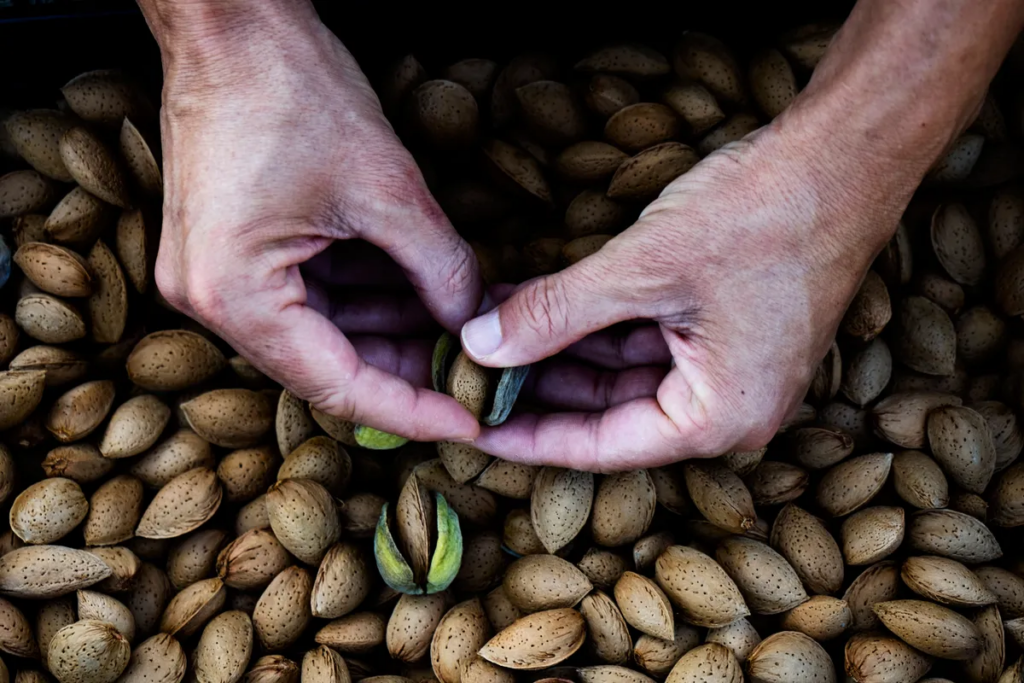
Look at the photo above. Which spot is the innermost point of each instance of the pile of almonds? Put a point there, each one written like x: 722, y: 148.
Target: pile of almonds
x: 173, y: 514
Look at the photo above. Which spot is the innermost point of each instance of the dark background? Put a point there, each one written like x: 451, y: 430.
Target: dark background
x: 43, y: 43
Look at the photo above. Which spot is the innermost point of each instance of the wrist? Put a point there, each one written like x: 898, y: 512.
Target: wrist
x: 218, y: 41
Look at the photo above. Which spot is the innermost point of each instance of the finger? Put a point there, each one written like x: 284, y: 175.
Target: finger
x: 406, y: 358
x: 309, y: 356
x: 627, y: 347
x: 362, y: 312
x: 628, y: 436
x: 546, y: 315
x: 442, y: 267
x: 567, y: 385
x: 355, y: 263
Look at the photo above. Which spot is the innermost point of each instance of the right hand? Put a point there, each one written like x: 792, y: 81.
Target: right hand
x: 277, y: 155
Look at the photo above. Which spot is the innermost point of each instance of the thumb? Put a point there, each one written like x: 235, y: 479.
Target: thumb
x: 546, y: 315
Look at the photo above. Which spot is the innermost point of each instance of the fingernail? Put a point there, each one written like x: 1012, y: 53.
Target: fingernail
x: 486, y: 304
x: 482, y: 336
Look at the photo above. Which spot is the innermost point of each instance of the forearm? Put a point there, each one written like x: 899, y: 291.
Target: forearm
x: 903, y: 78
x: 198, y: 32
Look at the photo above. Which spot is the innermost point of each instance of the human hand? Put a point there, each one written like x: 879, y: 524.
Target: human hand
x: 278, y: 161
x: 746, y: 264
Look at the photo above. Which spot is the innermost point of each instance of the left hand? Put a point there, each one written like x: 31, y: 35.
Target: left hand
x: 746, y: 264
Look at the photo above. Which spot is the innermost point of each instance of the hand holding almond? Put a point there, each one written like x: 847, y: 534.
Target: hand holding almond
x: 278, y: 161
x: 747, y: 262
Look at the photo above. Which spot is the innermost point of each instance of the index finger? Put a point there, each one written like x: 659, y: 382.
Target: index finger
x: 635, y: 434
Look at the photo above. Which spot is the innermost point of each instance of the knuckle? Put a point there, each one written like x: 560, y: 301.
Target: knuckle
x: 204, y: 293
x: 460, y: 270
x: 545, y: 308
x: 168, y: 282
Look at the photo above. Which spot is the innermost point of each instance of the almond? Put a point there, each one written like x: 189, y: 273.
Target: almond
x: 151, y: 590
x: 988, y: 663
x: 55, y: 270
x: 135, y: 426
x: 602, y: 567
x: 704, y: 593
x: 337, y: 429
x: 644, y: 606
x: 78, y: 219
x: 192, y: 559
x: 709, y: 663
x: 644, y: 176
x: 60, y: 365
x: 124, y: 568
x: 88, y: 651
x: 252, y: 560
x: 24, y: 192
x: 499, y: 609
x: 320, y: 459
x: 282, y: 613
x: 670, y: 488
x: 108, y: 304
x: 114, y: 511
x: 822, y: 618
x: 191, y: 608
x: 304, y: 518
x: 173, y: 360
x: 740, y: 637
x: 48, y: 571
x: 870, y: 310
x: 867, y: 373
x: 223, y: 652
x: 776, y: 483
x: 1005, y: 587
x: 958, y: 244
x: 16, y: 635
x: 560, y: 505
x: 551, y: 111
x: 94, y: 605
x: 606, y: 94
x: 872, y: 534
x: 232, y: 418
x: 48, y: 510
x: 537, y: 641
x: 902, y: 417
x: 852, y: 483
x: 736, y: 127
x: 931, y: 628
x: 184, y: 504
x: 293, y: 424
x: 961, y: 443
x: 247, y: 472
x: 94, y: 166
x: 871, y: 657
x: 589, y: 161
x: 1007, y: 498
x: 49, y: 319
x: 253, y: 515
x: 790, y: 657
x: 324, y: 665
x: 954, y: 535
x: 342, y: 583
x: 720, y: 495
x: 106, y: 97
x: 703, y: 58
x: 626, y: 59
x: 878, y: 583
x: 412, y: 625
x: 1006, y: 434
x: 483, y: 562
x: 695, y: 105
x: 919, y: 480
x: 926, y: 339
x: 20, y: 394
x: 515, y: 167
x: 356, y: 633
x: 639, y: 126
x: 519, y: 535
x: 648, y: 549
x: 610, y: 673
x: 79, y: 411
x: 360, y: 514
x: 949, y: 582
x: 459, y: 634
x: 623, y: 508
x: 767, y: 581
x: 182, y: 451
x: 608, y: 631
x: 810, y: 549
x: 36, y: 135
x: 142, y: 165
x: 159, y: 659
x: 51, y: 617
x: 276, y: 669
x: 135, y: 249
x: 772, y: 82
x: 444, y: 113
x: 657, y: 656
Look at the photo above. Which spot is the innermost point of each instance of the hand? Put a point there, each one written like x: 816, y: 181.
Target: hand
x: 276, y: 156
x: 746, y: 264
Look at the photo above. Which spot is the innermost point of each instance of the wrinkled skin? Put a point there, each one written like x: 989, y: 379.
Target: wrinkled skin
x: 278, y: 161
